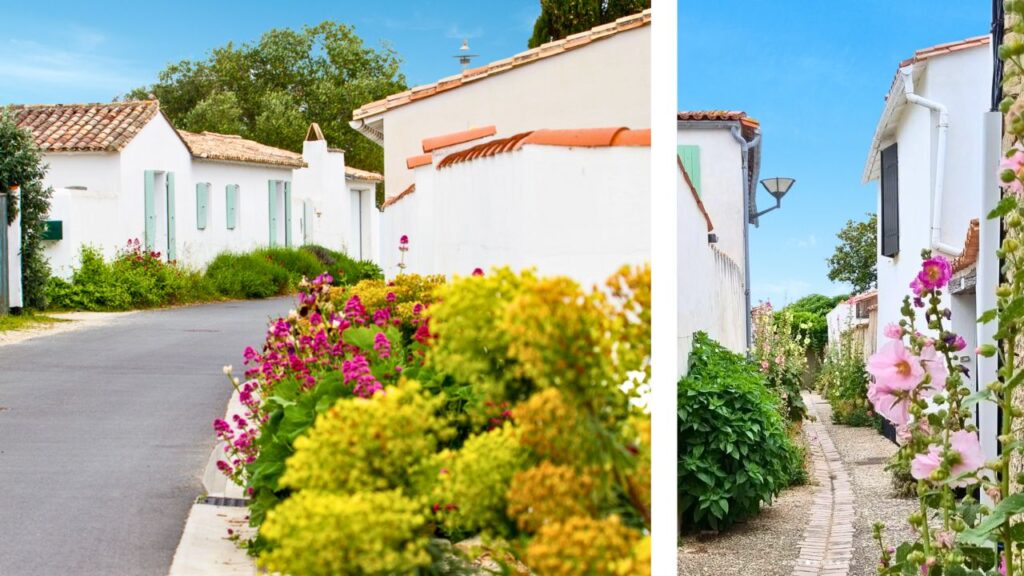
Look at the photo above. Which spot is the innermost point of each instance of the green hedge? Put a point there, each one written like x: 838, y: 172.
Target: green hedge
x: 345, y: 270
x: 734, y: 451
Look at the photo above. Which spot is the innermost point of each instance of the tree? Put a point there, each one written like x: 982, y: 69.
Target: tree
x: 270, y: 91
x: 855, y: 259
x: 21, y: 164
x: 560, y: 18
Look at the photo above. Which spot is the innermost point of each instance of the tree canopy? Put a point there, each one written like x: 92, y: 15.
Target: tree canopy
x: 271, y: 90
x: 21, y: 164
x: 855, y: 259
x: 560, y: 18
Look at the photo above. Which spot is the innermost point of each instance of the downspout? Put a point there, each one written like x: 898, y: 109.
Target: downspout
x: 988, y: 276
x: 940, y: 158
x: 745, y: 148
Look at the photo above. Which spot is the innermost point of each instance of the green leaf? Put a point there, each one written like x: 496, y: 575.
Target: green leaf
x: 979, y: 396
x: 984, y: 531
x: 1007, y: 204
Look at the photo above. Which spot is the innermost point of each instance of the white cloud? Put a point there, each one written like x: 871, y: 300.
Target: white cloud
x: 810, y: 241
x: 75, y: 65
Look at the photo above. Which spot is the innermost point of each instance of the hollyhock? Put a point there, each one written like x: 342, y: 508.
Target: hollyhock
x: 1014, y: 162
x: 896, y: 372
x: 916, y: 286
x: 935, y: 366
x: 893, y: 331
x: 935, y: 273
x: 969, y: 458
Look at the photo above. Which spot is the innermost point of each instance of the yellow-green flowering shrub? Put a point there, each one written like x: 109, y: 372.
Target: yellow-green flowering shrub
x: 639, y: 564
x: 471, y: 493
x: 581, y: 545
x: 548, y: 493
x: 317, y: 533
x: 550, y: 426
x: 368, y: 443
x: 407, y: 290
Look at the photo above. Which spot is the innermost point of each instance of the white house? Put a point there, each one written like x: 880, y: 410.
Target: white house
x: 572, y: 202
x: 121, y: 171
x: 596, y: 78
x: 928, y: 155
x: 719, y: 157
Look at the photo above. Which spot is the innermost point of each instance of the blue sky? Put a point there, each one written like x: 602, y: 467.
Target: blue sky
x: 77, y: 51
x: 815, y: 75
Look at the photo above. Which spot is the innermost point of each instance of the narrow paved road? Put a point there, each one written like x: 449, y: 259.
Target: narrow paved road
x: 104, y: 433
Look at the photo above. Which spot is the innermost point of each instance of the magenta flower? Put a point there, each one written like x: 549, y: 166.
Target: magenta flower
x: 935, y: 273
x: 893, y: 331
x: 478, y: 272
x: 390, y: 297
x: 916, y: 287
x: 382, y: 345
x: 404, y: 239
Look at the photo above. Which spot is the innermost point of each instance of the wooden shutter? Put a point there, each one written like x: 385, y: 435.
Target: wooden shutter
x: 890, y: 202
x: 690, y: 156
x: 288, y: 214
x: 202, y: 204
x: 231, y: 205
x: 272, y: 211
x: 150, y: 206
x: 172, y: 249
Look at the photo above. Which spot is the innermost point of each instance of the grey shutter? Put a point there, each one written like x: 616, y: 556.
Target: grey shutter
x: 890, y: 202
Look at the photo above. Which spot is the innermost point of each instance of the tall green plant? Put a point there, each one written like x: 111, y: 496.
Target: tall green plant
x: 21, y: 164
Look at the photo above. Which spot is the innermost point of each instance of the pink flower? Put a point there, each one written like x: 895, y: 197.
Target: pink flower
x: 969, y: 458
x: 478, y: 272
x: 1014, y: 163
x: 765, y: 365
x: 935, y: 366
x: 404, y: 239
x: 1002, y: 565
x: 893, y: 331
x: 896, y: 373
x: 935, y: 273
x: 959, y: 344
x: 916, y: 287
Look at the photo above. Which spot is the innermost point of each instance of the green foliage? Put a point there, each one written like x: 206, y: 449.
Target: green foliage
x: 134, y: 279
x: 855, y: 259
x: 21, y: 164
x: 561, y: 18
x: 271, y: 90
x: 345, y: 270
x: 299, y: 263
x: 247, y: 276
x: 734, y: 453
x: 323, y: 533
x: 844, y: 382
x: 781, y: 353
x: 809, y: 319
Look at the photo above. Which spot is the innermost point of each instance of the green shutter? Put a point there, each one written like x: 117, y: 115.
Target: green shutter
x: 202, y: 204
x: 172, y: 250
x: 689, y: 154
x: 150, y: 204
x: 288, y: 214
x: 231, y: 204
x: 272, y: 211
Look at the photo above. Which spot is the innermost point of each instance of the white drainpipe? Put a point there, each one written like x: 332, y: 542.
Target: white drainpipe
x: 940, y: 159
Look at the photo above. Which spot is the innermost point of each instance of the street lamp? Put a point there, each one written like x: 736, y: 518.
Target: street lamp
x: 777, y: 187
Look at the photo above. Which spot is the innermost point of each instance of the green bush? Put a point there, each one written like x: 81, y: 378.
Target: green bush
x: 298, y: 263
x: 345, y: 270
x: 734, y: 452
x: 247, y: 276
x: 844, y: 382
x: 134, y: 279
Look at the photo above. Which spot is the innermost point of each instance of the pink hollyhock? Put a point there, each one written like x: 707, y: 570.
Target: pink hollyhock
x: 970, y: 458
x: 935, y: 272
x: 935, y: 366
x: 959, y: 343
x: 896, y: 372
x: 1014, y: 163
x: 916, y: 287
x: 893, y: 330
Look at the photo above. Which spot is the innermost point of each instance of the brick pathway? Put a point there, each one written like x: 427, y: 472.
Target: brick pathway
x: 827, y: 545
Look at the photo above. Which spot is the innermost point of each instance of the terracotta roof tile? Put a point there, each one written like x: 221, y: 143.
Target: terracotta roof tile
x: 720, y: 116
x: 969, y: 255
x: 233, y: 148
x: 567, y: 44
x: 587, y: 137
x: 947, y: 48
x: 105, y: 127
x: 693, y: 191
x: 394, y: 199
x: 435, y: 142
x: 417, y: 161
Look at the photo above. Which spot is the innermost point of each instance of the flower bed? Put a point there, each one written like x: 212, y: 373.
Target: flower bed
x: 386, y: 420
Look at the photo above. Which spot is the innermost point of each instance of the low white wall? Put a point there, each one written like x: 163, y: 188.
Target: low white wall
x: 580, y: 212
x: 15, y: 289
x: 711, y: 297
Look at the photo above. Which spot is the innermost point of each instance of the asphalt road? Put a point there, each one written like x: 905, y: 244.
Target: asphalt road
x: 104, y: 433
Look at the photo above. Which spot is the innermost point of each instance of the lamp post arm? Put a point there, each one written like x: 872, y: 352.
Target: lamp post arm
x: 778, y: 204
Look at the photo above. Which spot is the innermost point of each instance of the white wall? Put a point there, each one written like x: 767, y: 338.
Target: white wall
x: 580, y: 212
x: 710, y: 284
x: 111, y: 209
x: 721, y: 178
x: 603, y: 84
x: 15, y: 292
x: 960, y: 81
